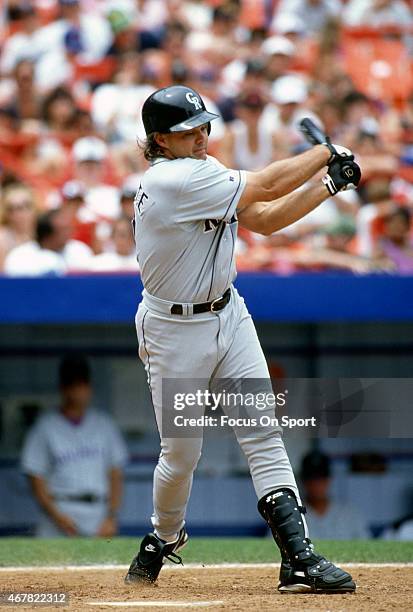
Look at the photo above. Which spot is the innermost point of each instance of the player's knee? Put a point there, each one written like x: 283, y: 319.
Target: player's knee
x: 180, y: 464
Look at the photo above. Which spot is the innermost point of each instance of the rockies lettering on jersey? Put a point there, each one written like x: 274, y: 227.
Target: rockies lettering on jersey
x: 140, y: 198
x: 211, y: 224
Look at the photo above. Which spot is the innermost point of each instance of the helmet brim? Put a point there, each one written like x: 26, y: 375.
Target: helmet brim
x: 193, y: 122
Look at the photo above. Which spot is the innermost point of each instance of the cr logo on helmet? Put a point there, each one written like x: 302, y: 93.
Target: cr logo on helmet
x: 193, y: 100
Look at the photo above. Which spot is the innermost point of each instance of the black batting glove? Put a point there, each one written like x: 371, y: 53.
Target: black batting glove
x: 343, y: 173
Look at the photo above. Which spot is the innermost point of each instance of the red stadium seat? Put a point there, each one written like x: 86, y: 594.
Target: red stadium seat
x: 379, y: 66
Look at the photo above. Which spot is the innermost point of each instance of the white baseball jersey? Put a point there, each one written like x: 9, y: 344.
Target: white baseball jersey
x: 74, y: 459
x: 186, y: 226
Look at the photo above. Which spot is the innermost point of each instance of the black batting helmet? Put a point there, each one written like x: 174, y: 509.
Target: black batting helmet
x: 174, y: 109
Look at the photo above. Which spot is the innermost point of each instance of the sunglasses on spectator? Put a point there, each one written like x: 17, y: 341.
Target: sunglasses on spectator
x: 24, y: 205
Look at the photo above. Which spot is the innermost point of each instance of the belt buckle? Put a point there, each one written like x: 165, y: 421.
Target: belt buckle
x: 214, y: 302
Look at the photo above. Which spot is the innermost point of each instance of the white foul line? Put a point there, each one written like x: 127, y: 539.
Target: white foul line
x: 154, y: 604
x: 179, y: 568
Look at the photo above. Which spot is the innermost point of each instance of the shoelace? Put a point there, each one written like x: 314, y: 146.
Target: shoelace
x: 174, y: 558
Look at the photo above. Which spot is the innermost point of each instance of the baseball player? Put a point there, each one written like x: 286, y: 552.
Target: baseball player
x: 192, y: 324
x: 74, y: 458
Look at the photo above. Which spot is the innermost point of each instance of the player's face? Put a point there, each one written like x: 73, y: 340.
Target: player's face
x: 77, y: 395
x: 191, y: 143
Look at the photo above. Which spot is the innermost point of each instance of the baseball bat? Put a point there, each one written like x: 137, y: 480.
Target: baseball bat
x: 312, y: 132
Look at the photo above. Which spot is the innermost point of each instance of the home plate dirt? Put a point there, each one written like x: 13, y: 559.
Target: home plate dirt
x: 225, y: 588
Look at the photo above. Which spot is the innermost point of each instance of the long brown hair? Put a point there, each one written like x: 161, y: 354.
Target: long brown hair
x: 150, y: 148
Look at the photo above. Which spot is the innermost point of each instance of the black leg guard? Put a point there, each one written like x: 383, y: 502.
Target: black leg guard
x: 302, y: 570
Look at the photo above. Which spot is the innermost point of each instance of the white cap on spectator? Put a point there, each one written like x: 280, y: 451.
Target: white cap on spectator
x: 89, y: 148
x: 72, y: 190
x: 278, y: 45
x: 287, y: 23
x: 289, y: 89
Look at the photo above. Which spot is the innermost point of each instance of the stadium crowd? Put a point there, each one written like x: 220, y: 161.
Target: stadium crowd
x: 75, y: 73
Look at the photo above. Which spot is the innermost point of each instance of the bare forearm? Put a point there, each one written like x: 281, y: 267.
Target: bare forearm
x: 282, y: 177
x: 43, y: 496
x: 268, y: 217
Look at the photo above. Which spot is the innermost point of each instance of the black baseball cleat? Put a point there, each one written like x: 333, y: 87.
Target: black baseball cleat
x: 302, y: 569
x: 147, y: 564
x: 322, y: 577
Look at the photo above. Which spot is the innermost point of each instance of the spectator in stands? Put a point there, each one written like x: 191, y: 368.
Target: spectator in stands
x: 26, y: 101
x: 125, y: 34
x: 24, y: 44
x: 17, y: 219
x: 58, y: 111
x: 52, y: 252
x: 218, y: 43
x: 116, y: 107
x: 91, y: 65
x: 127, y: 196
x: 289, y: 95
x: 378, y: 13
x: 278, y: 53
x: 73, y: 457
x: 248, y: 143
x: 83, y: 221
x: 314, y: 13
x: 90, y: 155
x: 123, y: 256
x: 395, y: 247
x: 334, y: 251
x: 90, y: 29
x: 327, y: 518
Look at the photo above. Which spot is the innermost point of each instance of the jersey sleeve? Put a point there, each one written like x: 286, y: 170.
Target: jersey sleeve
x: 210, y: 191
x: 118, y: 454
x: 35, y: 458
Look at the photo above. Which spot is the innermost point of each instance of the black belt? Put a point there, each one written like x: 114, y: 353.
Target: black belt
x: 213, y: 306
x: 86, y: 498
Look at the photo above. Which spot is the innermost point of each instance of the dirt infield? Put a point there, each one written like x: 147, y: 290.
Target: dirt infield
x: 235, y: 589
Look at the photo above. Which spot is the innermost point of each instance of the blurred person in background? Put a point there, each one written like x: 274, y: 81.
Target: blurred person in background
x: 328, y: 519
x: 83, y: 221
x: 395, y: 246
x: 217, y: 44
x: 58, y: 113
x: 52, y: 252
x: 17, y: 218
x: 127, y: 196
x: 314, y: 13
x: 24, y: 44
x: 377, y: 13
x: 123, y: 257
x: 278, y: 53
x: 90, y: 155
x: 247, y: 72
x: 74, y: 458
x: 332, y: 249
x: 289, y: 95
x: 26, y: 99
x: 89, y: 28
x: 248, y: 143
x: 116, y: 106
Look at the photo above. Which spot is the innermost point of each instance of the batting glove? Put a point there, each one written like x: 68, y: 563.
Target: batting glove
x: 338, y: 152
x: 342, y: 174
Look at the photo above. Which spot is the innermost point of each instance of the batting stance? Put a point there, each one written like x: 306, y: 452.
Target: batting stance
x: 192, y: 323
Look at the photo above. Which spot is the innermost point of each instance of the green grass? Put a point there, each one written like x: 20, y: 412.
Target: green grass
x: 83, y: 551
